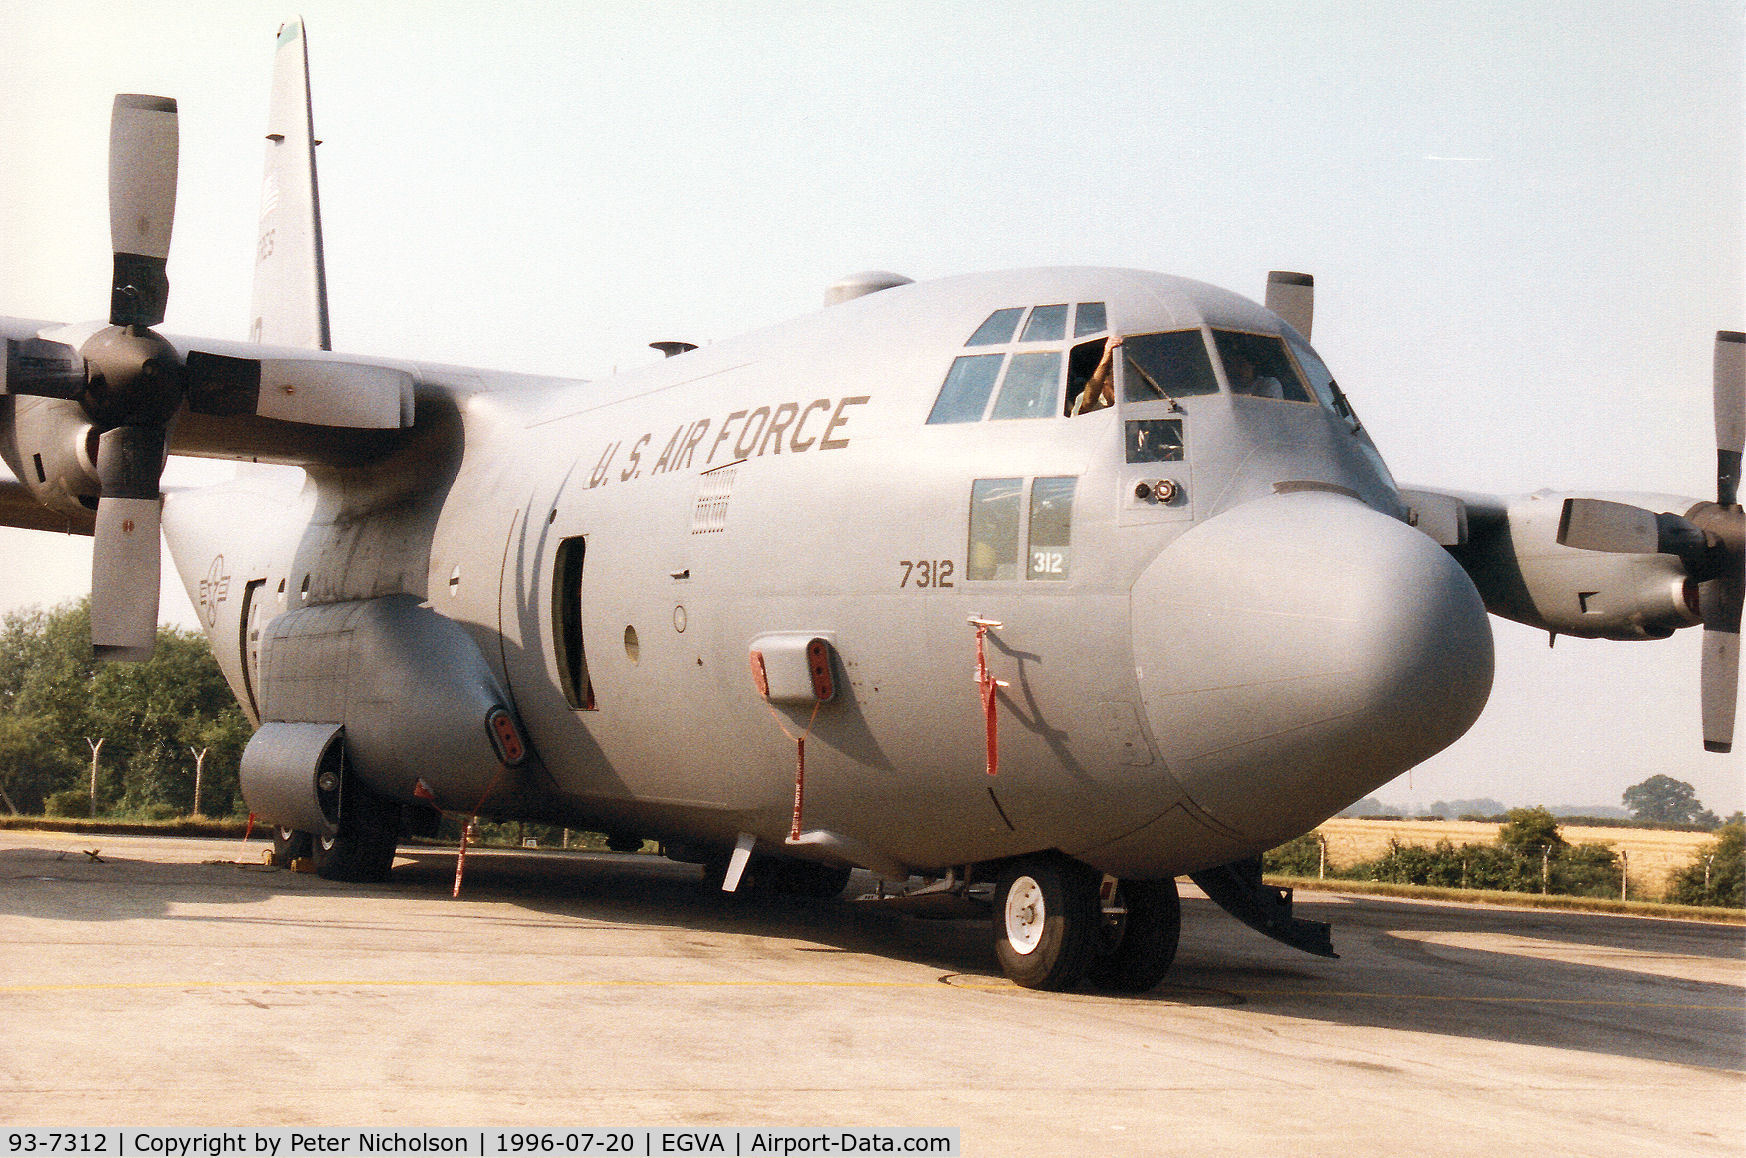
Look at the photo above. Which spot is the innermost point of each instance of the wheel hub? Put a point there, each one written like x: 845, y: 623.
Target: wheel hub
x: 1024, y: 915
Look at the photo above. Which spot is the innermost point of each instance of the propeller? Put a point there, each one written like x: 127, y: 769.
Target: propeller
x: 128, y: 379
x: 1709, y: 539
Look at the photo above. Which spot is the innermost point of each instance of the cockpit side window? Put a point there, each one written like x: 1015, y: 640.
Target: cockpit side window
x: 1031, y: 386
x: 964, y: 396
x: 1092, y: 318
x: 1081, y: 365
x: 1257, y: 365
x: 1163, y: 367
x: 1321, y: 380
x: 1047, y: 324
x: 997, y: 330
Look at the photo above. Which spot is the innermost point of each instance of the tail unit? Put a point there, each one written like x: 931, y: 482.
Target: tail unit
x: 290, y: 295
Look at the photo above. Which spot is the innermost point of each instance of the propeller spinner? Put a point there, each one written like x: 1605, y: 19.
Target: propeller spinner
x: 1709, y: 539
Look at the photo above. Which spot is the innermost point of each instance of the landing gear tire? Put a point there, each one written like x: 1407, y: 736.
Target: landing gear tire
x: 290, y: 845
x: 369, y: 832
x: 1135, y: 948
x: 1046, y: 918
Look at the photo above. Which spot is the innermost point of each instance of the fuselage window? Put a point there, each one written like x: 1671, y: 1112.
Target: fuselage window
x: 1154, y: 440
x: 1257, y: 365
x: 964, y: 396
x: 1047, y: 324
x: 997, y: 330
x: 1032, y: 384
x: 1092, y: 318
x: 1163, y: 367
x: 1051, y: 542
x: 994, y: 528
x: 567, y: 623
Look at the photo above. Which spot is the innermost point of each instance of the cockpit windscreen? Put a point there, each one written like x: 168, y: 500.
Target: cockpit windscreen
x: 1257, y: 365
x: 1164, y: 367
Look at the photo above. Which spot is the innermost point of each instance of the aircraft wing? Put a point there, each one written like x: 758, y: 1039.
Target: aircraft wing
x: 19, y: 508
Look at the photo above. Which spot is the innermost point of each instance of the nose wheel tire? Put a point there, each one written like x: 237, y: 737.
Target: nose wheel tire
x: 1135, y: 947
x: 1046, y: 918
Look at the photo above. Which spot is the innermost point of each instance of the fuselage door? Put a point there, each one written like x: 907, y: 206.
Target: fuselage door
x: 251, y: 643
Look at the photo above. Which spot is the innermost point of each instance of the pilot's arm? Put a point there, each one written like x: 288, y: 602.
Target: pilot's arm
x: 1099, y: 389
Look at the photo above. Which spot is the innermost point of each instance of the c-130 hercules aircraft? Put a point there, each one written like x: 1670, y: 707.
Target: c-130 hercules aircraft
x: 1027, y: 591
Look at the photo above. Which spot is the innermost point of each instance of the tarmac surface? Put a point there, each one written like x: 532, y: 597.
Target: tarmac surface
x: 161, y: 985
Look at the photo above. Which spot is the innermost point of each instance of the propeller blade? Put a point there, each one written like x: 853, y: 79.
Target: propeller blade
x: 1293, y: 297
x: 39, y: 366
x: 143, y: 145
x: 124, y: 561
x: 1730, y: 389
x: 1719, y: 600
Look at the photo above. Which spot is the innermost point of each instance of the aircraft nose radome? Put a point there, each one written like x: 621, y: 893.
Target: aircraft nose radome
x: 1298, y: 651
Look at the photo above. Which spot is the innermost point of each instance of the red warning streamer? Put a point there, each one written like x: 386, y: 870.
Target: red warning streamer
x: 987, y: 684
x: 468, y: 830
x: 799, y: 765
x: 799, y: 786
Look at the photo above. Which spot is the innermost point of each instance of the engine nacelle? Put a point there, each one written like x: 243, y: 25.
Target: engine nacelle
x: 51, y: 446
x: 1524, y: 573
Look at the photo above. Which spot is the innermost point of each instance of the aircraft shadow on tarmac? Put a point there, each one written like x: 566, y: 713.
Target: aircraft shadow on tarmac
x: 1404, y: 967
x: 1390, y: 977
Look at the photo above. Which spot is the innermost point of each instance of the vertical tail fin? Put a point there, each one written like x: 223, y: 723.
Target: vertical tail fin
x: 290, y: 296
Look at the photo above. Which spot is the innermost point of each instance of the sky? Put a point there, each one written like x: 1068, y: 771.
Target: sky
x: 1524, y: 220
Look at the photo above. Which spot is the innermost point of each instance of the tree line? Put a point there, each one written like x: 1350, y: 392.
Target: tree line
x: 146, y: 730
x: 1529, y: 855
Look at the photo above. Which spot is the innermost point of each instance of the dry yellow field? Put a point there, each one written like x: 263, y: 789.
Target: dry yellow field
x: 1654, y: 854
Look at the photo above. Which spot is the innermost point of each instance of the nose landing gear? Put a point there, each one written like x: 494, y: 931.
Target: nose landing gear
x: 1055, y: 926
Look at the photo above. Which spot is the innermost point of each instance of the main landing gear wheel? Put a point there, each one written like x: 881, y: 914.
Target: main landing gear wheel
x: 290, y: 844
x: 369, y: 832
x: 1046, y: 919
x: 1135, y: 947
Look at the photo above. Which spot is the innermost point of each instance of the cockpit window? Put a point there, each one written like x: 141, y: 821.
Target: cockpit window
x: 1047, y: 324
x: 1162, y: 367
x: 1154, y: 440
x: 997, y: 329
x: 1092, y: 318
x: 1321, y: 380
x: 964, y: 396
x: 1031, y: 387
x: 1257, y: 365
x: 994, y: 528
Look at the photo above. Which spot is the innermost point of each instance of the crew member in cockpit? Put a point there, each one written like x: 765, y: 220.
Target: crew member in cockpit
x: 1099, y: 389
x: 1241, y: 373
